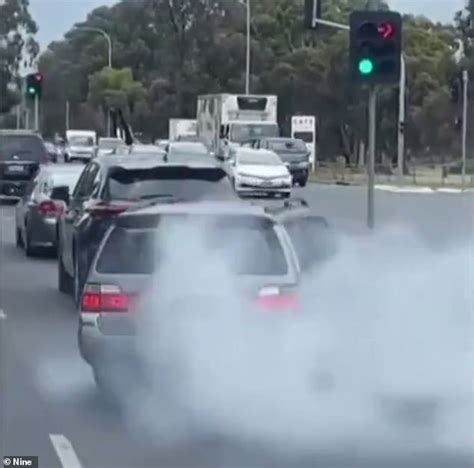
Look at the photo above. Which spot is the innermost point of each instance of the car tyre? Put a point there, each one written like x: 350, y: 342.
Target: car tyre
x: 78, y: 284
x: 30, y: 250
x: 304, y: 181
x: 19, y: 239
x: 64, y: 279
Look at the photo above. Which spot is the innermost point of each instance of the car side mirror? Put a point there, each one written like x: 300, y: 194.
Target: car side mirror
x: 61, y: 193
x: 222, y: 132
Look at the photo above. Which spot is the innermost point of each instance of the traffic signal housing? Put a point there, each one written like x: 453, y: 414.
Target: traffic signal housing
x: 34, y: 85
x: 375, y: 46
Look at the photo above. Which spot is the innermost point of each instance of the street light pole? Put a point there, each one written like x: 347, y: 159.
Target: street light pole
x: 465, y: 81
x: 247, y: 72
x: 401, y: 121
x: 109, y: 55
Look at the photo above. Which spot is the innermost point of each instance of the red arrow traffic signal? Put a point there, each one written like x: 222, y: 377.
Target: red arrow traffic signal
x: 386, y: 30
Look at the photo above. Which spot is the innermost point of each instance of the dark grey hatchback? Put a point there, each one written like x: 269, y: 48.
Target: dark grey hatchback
x: 21, y: 154
x: 293, y: 153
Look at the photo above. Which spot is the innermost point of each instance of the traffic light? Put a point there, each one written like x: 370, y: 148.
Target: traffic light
x: 456, y: 90
x: 312, y: 12
x: 34, y: 85
x: 375, y: 46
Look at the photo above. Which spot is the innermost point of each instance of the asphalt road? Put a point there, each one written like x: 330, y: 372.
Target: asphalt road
x: 49, y: 405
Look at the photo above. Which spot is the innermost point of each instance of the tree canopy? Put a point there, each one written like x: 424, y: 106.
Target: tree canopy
x: 17, y: 48
x: 167, y: 52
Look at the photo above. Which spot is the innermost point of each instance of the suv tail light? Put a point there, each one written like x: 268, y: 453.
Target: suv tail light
x: 50, y: 209
x: 104, y: 298
x: 105, y: 210
x: 274, y: 298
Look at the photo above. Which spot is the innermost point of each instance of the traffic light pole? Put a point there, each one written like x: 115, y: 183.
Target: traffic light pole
x: 36, y: 113
x: 401, y: 121
x: 465, y: 82
x: 371, y: 160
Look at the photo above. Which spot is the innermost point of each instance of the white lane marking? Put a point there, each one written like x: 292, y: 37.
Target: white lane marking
x: 65, y: 451
x: 3, y: 315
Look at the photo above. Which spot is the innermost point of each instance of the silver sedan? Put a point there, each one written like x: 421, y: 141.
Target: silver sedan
x: 37, y: 211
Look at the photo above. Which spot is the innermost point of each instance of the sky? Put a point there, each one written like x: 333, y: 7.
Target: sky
x: 55, y: 17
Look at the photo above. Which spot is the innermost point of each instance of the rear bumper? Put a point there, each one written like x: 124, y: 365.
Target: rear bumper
x: 43, y: 232
x: 98, y: 349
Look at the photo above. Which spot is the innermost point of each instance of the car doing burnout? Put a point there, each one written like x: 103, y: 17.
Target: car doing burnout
x: 21, y: 154
x: 254, y: 249
x: 112, y: 185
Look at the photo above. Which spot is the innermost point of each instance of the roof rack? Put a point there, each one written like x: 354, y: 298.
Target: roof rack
x: 287, y: 205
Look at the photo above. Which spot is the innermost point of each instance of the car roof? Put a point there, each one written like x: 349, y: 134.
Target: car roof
x: 62, y: 168
x: 186, y: 143
x: 218, y: 207
x: 137, y: 161
x: 241, y: 151
x: 20, y: 132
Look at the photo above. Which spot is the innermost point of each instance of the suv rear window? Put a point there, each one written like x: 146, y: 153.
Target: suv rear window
x: 312, y: 239
x: 247, y: 244
x: 180, y: 182
x: 23, y: 148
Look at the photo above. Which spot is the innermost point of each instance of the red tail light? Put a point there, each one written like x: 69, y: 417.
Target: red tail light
x: 106, y: 210
x: 50, y: 208
x: 272, y: 299
x: 104, y: 298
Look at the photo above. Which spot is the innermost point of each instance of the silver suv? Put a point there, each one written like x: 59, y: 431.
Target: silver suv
x: 254, y: 247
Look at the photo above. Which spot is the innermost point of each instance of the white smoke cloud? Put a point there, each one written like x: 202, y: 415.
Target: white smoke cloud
x: 387, y: 317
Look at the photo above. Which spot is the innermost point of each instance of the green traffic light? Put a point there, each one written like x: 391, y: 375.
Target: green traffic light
x: 366, y: 66
x: 31, y: 90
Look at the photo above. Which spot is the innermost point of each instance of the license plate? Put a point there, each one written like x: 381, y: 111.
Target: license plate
x: 16, y: 168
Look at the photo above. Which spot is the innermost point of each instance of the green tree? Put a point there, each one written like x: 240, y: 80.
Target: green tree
x: 17, y: 47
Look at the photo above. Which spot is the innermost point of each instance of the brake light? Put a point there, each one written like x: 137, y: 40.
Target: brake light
x: 275, y: 299
x: 106, y: 210
x: 50, y: 209
x: 104, y: 298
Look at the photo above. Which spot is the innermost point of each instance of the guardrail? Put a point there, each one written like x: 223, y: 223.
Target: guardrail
x: 429, y: 175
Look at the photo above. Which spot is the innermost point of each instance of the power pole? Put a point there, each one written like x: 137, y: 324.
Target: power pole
x: 465, y: 82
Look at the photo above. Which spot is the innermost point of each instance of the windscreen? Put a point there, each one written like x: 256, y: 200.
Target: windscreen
x: 259, y: 158
x: 307, y: 137
x: 241, y: 133
x: 22, y: 147
x: 81, y: 141
x: 248, y: 245
x: 68, y: 178
x: 288, y: 146
x: 110, y: 144
x: 312, y: 239
x: 179, y: 182
x: 191, y: 149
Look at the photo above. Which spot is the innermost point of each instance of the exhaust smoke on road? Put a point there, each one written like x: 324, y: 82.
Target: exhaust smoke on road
x: 385, y: 337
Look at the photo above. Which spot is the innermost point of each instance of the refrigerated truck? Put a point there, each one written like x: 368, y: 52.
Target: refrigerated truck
x: 181, y: 128
x: 227, y: 120
x: 303, y: 127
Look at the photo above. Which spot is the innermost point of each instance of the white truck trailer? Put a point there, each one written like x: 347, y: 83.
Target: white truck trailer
x: 225, y: 120
x: 182, y: 129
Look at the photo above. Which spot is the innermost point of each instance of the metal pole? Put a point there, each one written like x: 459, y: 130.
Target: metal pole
x: 332, y: 24
x: 67, y: 115
x: 18, y: 116
x: 465, y: 80
x: 401, y: 121
x: 371, y: 160
x: 247, y: 71
x: 27, y: 119
x: 36, y: 112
